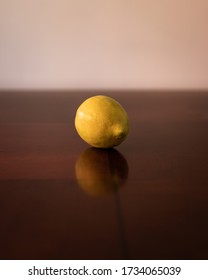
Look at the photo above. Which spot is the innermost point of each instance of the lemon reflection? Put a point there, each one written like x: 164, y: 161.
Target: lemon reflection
x: 101, y: 172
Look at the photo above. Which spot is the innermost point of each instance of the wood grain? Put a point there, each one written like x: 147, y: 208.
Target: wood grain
x: 161, y: 210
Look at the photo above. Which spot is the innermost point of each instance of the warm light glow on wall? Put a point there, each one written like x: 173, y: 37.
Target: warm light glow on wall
x: 103, y: 44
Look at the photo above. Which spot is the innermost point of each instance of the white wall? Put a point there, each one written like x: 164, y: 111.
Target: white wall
x: 103, y: 43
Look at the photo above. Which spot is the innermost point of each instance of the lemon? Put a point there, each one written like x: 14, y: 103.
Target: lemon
x: 102, y: 122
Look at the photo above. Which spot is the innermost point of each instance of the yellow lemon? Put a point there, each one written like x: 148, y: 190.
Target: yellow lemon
x: 102, y: 122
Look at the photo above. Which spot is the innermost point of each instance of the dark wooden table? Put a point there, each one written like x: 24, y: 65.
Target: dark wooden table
x: 148, y: 199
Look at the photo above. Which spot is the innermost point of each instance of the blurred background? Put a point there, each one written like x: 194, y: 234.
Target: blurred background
x: 109, y: 44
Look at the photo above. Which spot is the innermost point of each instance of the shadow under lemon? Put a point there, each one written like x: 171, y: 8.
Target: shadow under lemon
x: 101, y: 171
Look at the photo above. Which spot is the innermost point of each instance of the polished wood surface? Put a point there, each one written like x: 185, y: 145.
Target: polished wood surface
x: 146, y: 199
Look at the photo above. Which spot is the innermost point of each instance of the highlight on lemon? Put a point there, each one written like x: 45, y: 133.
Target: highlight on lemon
x: 102, y: 122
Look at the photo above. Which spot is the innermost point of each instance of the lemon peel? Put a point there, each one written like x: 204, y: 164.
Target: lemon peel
x: 102, y: 122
